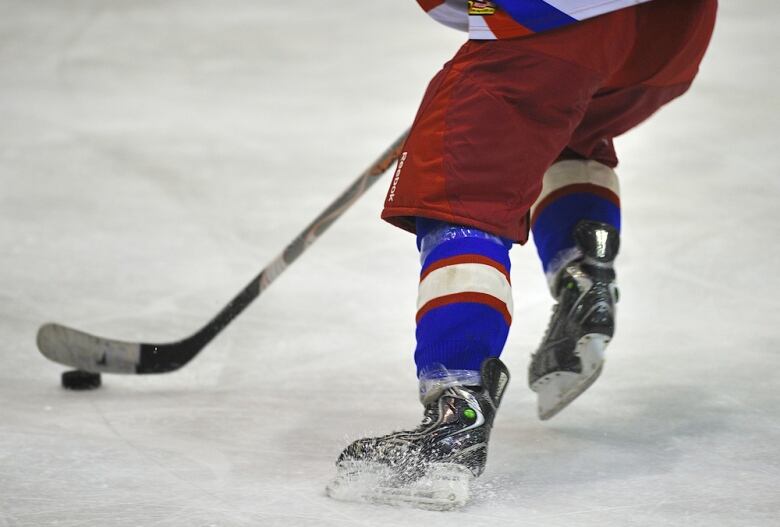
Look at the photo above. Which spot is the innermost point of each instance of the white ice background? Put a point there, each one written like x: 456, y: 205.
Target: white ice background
x: 155, y: 155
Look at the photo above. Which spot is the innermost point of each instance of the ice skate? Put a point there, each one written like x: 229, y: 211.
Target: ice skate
x: 571, y: 355
x: 433, y: 465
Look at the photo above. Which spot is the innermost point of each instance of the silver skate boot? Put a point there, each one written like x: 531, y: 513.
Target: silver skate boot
x: 571, y: 355
x: 433, y: 465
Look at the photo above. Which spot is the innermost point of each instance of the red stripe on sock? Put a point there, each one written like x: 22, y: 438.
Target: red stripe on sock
x: 588, y: 188
x: 465, y: 259
x: 474, y: 298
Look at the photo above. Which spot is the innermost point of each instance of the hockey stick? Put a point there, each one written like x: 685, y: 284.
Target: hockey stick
x: 87, y: 352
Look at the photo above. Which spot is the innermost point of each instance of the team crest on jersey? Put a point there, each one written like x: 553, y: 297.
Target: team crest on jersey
x: 481, y: 7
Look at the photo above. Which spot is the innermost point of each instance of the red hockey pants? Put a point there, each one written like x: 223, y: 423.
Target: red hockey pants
x: 501, y: 112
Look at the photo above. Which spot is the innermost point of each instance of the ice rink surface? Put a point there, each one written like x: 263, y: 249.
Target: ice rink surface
x: 155, y: 155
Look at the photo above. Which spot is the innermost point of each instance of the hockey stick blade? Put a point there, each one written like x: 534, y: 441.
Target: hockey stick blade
x: 91, y: 353
x: 87, y: 352
x: 81, y: 350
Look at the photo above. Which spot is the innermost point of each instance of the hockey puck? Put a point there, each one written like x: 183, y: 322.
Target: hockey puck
x: 80, y: 380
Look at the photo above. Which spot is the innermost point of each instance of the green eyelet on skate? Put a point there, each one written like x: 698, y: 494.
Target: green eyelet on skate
x: 470, y: 414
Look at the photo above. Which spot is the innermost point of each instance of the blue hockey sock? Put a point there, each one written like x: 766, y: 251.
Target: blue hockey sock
x: 573, y: 190
x: 464, y: 305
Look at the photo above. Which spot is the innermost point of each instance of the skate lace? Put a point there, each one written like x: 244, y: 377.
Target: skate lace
x: 550, y: 324
x: 429, y: 417
x: 554, y: 311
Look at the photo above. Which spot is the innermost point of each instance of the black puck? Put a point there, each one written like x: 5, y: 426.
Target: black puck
x: 80, y: 380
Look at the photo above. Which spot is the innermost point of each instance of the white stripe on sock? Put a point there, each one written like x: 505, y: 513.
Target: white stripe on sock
x: 465, y: 278
x: 576, y: 172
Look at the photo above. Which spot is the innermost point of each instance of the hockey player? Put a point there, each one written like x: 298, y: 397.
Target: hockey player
x: 513, y: 135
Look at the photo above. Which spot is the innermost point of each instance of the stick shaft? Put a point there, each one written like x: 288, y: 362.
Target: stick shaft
x: 297, y: 247
x: 81, y: 350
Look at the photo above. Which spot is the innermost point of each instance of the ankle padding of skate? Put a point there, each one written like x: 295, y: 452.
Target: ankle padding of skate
x: 495, y: 378
x: 598, y: 241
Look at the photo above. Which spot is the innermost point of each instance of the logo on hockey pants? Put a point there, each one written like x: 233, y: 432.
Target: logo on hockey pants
x: 396, y: 177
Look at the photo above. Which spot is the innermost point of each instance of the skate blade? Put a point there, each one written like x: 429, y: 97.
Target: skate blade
x: 557, y: 390
x: 444, y: 486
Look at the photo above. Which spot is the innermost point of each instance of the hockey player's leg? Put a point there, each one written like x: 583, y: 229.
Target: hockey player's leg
x: 464, y: 310
x: 578, y: 257
x: 576, y: 229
